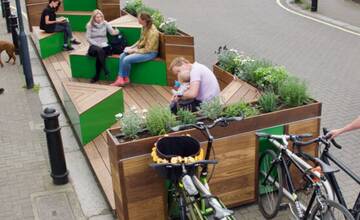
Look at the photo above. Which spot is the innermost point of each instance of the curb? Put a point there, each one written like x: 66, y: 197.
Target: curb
x: 292, y: 8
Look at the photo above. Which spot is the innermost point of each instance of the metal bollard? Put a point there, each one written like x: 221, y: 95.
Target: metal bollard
x: 14, y: 32
x: 7, y: 11
x: 314, y: 5
x: 59, y: 172
x: 2, y: 8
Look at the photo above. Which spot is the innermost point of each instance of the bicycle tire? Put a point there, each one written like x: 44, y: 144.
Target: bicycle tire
x: 329, y: 214
x: 270, y: 190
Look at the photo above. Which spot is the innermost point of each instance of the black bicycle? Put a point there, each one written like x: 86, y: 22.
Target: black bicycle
x: 275, y: 181
x: 326, y: 157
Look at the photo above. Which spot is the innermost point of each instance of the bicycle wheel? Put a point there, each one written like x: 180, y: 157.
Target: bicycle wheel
x: 332, y: 211
x: 270, y: 192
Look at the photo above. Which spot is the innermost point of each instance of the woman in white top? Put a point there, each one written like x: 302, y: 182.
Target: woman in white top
x: 96, y: 34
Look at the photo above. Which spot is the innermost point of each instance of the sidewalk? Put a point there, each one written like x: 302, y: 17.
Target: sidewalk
x: 26, y: 189
x: 346, y: 11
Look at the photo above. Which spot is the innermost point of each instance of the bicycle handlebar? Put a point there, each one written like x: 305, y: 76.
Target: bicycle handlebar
x: 326, y: 134
x: 171, y: 165
x: 322, y: 138
x: 201, y: 126
x: 292, y: 137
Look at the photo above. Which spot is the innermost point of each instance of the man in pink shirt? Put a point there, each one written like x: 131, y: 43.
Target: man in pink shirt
x: 203, y: 83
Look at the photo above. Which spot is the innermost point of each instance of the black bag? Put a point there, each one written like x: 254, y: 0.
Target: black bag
x: 118, y: 44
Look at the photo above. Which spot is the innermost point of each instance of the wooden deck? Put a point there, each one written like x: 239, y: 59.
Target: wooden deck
x: 140, y: 96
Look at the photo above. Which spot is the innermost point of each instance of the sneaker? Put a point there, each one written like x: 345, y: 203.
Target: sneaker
x: 2, y: 90
x: 94, y: 80
x: 74, y: 41
x: 68, y: 48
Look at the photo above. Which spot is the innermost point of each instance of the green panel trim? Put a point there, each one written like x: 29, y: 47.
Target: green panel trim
x: 131, y: 35
x: 80, y: 5
x: 152, y: 72
x: 51, y: 45
x: 73, y: 114
x: 101, y: 117
x: 77, y: 22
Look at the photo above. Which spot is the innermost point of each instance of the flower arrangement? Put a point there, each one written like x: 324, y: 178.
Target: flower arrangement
x: 169, y: 27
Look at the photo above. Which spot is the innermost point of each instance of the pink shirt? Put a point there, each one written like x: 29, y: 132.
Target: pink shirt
x: 209, y: 86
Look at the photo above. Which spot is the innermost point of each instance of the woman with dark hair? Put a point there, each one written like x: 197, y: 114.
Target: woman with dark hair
x: 96, y: 34
x: 143, y: 50
x: 50, y: 24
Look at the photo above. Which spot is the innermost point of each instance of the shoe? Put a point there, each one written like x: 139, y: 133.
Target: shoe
x: 119, y: 82
x: 94, y: 80
x: 126, y: 80
x: 2, y: 90
x: 74, y: 41
x: 68, y: 48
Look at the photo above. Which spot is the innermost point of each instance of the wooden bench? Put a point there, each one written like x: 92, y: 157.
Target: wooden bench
x: 91, y: 108
x: 152, y: 72
x: 238, y: 90
x: 77, y: 19
x: 47, y: 44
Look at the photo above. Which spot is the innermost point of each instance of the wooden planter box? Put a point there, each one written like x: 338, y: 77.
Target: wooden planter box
x: 172, y: 46
x: 235, y: 177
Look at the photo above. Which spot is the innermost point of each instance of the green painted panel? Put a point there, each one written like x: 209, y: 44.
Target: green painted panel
x: 80, y: 5
x: 51, y: 45
x: 151, y: 72
x: 77, y: 22
x: 72, y: 113
x: 101, y: 117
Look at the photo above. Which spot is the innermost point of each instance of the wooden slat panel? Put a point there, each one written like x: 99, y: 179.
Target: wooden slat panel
x: 102, y: 148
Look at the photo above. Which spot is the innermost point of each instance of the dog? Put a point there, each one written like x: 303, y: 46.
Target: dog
x: 10, y: 50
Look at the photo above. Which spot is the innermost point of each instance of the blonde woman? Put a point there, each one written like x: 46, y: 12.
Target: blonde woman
x: 96, y: 34
x: 143, y: 50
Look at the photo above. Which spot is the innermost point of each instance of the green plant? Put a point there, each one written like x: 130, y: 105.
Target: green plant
x: 169, y: 27
x: 159, y: 120
x: 229, y: 59
x: 269, y: 77
x: 240, y: 108
x: 133, y: 6
x: 186, y: 117
x: 268, y: 101
x: 294, y: 92
x: 211, y: 109
x: 146, y: 9
x: 247, y: 69
x: 131, y: 123
x: 158, y: 19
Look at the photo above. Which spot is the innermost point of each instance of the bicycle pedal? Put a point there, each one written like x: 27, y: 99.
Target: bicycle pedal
x: 283, y: 206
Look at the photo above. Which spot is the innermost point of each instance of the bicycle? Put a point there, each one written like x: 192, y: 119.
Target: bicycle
x: 326, y: 156
x: 192, y: 194
x: 275, y: 181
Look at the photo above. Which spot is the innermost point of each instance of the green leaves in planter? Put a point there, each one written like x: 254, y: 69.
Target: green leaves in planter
x: 269, y: 77
x: 159, y: 120
x: 186, y: 117
x: 240, y: 108
x: 169, y: 27
x: 147, y: 9
x: 268, y: 101
x: 133, y: 6
x: 247, y: 70
x: 158, y: 19
x: 294, y: 92
x: 229, y: 60
x: 212, y: 109
x: 132, y: 123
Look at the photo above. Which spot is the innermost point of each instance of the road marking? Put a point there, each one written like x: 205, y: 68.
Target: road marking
x: 316, y: 20
x: 23, y: 13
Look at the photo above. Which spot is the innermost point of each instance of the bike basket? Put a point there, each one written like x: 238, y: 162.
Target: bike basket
x: 177, y: 149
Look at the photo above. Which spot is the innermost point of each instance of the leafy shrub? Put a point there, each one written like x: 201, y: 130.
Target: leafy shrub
x: 229, y: 59
x: 247, y: 69
x: 131, y: 124
x: 211, y: 109
x: 294, y: 92
x: 169, y: 27
x: 133, y: 6
x: 240, y: 108
x: 147, y: 10
x: 268, y: 101
x: 159, y: 120
x: 269, y: 77
x: 186, y: 116
x: 158, y: 19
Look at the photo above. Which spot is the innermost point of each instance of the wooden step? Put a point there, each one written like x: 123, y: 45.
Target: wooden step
x: 238, y: 91
x: 91, y: 108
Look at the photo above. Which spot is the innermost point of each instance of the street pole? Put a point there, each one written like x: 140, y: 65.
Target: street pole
x: 24, y: 49
x: 2, y: 8
x: 7, y: 12
x: 314, y: 5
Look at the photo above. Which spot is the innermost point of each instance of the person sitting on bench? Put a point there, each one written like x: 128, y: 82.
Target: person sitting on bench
x: 96, y: 34
x: 50, y: 24
x: 144, y: 50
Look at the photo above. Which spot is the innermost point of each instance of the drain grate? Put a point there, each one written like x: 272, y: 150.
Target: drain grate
x: 53, y: 207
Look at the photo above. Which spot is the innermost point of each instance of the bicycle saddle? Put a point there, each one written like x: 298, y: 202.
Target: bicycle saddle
x: 220, y: 212
x: 325, y: 167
